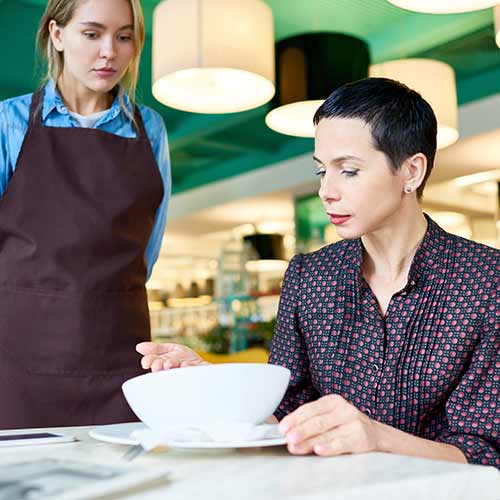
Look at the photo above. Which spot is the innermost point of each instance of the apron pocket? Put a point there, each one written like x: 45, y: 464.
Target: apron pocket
x: 46, y: 331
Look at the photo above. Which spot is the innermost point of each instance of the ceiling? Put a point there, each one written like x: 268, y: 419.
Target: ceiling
x: 206, y: 148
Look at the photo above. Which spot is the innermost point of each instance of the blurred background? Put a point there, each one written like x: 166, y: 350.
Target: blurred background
x: 244, y: 190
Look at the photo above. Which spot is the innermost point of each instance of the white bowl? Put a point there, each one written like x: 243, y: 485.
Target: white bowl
x: 209, y: 394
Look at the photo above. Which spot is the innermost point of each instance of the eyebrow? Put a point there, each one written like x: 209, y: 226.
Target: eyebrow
x: 93, y: 24
x: 339, y: 159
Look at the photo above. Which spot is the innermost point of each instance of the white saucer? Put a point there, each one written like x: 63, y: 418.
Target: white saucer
x: 120, y: 434
x: 117, y: 433
x: 211, y: 445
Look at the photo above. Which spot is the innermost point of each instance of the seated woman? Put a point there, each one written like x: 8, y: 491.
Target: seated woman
x: 392, y: 334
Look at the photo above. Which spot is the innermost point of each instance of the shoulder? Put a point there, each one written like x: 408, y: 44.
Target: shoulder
x: 334, y: 256
x: 17, y: 103
x: 473, y: 254
x: 460, y: 251
x: 328, y: 260
x: 475, y: 267
x: 153, y: 123
x: 14, y: 112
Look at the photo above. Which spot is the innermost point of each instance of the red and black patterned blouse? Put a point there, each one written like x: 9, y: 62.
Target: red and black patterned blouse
x: 430, y: 367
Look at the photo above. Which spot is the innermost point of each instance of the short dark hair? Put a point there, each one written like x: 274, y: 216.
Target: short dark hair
x: 402, y: 122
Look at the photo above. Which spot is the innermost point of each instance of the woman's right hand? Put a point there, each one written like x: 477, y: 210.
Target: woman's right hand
x: 166, y: 356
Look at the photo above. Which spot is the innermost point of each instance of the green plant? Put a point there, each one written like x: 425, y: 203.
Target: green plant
x: 217, y: 340
x: 261, y: 333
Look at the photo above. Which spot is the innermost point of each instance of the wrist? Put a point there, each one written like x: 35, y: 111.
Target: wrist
x: 383, y: 437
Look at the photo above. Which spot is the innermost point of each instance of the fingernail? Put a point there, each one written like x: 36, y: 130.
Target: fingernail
x: 292, y: 438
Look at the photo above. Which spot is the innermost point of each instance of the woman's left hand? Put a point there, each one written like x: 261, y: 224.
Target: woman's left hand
x: 330, y: 426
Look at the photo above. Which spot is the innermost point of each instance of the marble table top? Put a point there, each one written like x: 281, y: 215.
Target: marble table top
x: 272, y: 473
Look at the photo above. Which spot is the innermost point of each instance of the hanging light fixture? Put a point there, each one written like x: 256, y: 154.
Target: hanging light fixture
x: 444, y: 6
x: 308, y: 68
x: 435, y: 81
x: 265, y: 252
x: 496, y: 15
x: 213, y: 56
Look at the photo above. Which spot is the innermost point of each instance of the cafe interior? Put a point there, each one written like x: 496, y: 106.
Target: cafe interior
x: 238, y: 95
x: 244, y: 194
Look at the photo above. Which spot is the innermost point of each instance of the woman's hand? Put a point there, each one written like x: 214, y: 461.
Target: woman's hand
x: 166, y: 356
x: 329, y: 426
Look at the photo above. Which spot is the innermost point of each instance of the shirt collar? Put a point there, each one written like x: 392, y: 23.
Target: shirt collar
x: 53, y: 100
x: 432, y: 248
x: 430, y: 253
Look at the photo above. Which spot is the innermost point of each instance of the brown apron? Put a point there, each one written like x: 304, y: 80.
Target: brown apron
x: 75, y: 221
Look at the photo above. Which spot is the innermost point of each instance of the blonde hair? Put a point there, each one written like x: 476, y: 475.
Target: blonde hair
x: 62, y: 11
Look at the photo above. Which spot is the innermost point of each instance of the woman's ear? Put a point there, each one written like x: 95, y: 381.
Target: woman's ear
x: 56, y: 35
x: 414, y: 171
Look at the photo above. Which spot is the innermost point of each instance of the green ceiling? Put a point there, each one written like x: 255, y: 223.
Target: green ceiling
x: 205, y: 148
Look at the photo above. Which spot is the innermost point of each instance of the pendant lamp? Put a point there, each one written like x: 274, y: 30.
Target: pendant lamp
x: 308, y: 68
x: 444, y: 6
x: 265, y: 252
x: 496, y: 15
x: 435, y: 81
x: 213, y: 56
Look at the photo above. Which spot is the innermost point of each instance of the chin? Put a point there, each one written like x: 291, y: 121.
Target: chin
x: 349, y: 233
x: 102, y: 87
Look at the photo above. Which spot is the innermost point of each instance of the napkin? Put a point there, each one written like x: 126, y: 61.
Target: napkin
x: 217, y: 433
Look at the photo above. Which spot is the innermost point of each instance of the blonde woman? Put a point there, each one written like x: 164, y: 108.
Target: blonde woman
x: 84, y: 187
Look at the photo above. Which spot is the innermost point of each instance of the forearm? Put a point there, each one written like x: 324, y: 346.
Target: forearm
x: 391, y: 440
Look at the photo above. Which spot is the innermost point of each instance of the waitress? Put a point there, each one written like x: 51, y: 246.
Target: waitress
x: 84, y: 187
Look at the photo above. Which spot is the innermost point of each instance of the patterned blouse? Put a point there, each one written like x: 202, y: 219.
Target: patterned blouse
x: 430, y: 367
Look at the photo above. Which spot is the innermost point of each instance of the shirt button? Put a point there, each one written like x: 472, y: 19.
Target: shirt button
x: 368, y: 412
x: 376, y: 368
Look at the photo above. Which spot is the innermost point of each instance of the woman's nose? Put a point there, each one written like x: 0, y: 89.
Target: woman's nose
x: 108, y: 48
x: 328, y: 190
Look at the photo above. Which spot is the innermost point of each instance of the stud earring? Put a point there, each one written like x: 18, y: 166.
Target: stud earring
x: 408, y: 189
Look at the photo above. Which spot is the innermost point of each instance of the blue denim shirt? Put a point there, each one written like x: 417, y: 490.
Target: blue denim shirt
x: 14, y: 117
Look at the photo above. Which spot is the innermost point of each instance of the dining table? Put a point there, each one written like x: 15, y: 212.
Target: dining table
x: 272, y: 473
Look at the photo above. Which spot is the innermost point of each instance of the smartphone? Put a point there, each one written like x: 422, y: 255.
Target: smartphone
x: 19, y: 439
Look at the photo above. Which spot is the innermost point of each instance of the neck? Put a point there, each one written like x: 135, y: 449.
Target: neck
x: 80, y: 99
x: 389, y: 250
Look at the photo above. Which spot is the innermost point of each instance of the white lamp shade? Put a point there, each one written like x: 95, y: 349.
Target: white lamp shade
x: 444, y: 6
x: 294, y: 119
x: 213, y: 56
x: 496, y: 15
x: 435, y: 81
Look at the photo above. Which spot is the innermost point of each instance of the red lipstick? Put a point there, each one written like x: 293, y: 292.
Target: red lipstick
x: 338, y: 219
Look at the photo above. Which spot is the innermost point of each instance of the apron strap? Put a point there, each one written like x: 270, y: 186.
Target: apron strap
x: 36, y: 107
x: 141, y: 132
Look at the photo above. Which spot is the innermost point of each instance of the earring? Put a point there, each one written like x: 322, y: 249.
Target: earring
x: 408, y: 189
